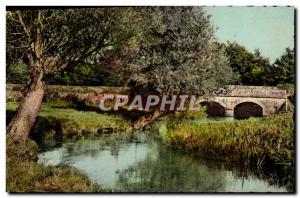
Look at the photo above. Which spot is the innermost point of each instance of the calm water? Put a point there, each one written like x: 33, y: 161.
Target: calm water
x: 140, y: 162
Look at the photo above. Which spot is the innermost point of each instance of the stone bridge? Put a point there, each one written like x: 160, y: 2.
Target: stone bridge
x: 246, y: 101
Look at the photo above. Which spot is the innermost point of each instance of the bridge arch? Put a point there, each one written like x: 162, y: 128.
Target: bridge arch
x: 213, y: 108
x: 248, y: 109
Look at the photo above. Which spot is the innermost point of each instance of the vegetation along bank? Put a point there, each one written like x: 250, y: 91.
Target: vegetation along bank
x: 253, y: 141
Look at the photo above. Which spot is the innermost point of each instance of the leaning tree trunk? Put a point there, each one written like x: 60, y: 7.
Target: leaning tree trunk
x: 28, y: 109
x: 145, y: 120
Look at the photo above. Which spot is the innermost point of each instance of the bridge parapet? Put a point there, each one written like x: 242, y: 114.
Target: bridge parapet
x: 254, y: 91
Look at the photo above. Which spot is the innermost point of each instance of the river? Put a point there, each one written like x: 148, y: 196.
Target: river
x: 142, y: 162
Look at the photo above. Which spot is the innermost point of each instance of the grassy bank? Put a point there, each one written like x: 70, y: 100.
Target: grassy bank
x: 23, y: 174
x: 253, y: 141
x: 60, y: 117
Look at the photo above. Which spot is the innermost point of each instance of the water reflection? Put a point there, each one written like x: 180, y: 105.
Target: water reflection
x: 138, y: 162
x: 170, y: 173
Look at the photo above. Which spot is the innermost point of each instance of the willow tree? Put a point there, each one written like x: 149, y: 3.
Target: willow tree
x: 176, y: 54
x: 52, y: 41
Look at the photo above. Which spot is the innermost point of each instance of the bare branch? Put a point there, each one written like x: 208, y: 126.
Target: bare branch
x: 25, y: 26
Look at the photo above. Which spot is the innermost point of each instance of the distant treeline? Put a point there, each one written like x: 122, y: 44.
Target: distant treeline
x: 254, y: 69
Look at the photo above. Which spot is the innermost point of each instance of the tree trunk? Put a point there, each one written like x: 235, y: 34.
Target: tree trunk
x: 27, y: 110
x: 143, y: 121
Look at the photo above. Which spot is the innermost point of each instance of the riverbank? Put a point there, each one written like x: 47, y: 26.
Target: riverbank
x: 62, y: 118
x: 256, y: 141
x: 23, y: 174
x: 55, y: 119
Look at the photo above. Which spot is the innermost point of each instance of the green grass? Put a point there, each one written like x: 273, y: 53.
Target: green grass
x: 23, y: 174
x: 189, y: 115
x: 259, y: 140
x: 60, y: 116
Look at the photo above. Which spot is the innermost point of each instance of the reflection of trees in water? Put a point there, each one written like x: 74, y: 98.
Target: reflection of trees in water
x: 166, y: 170
x: 170, y: 173
x: 282, y: 175
x: 90, y: 146
x: 173, y: 171
x: 279, y: 175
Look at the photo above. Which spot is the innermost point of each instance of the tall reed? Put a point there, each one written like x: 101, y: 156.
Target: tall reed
x: 255, y: 141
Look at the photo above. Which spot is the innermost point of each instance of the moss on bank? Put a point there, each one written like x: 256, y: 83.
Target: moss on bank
x: 23, y: 174
x: 253, y: 141
x: 59, y: 116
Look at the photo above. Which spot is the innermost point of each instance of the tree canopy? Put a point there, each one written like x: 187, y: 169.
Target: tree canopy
x: 55, y: 40
x: 286, y: 64
x: 177, y: 53
x: 254, y: 69
x: 153, y: 50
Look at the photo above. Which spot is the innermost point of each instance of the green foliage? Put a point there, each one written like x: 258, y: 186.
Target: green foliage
x: 177, y: 53
x: 253, y: 69
x: 286, y: 64
x: 56, y: 40
x: 17, y: 72
x: 269, y: 139
x: 249, y: 66
x: 88, y: 75
x: 161, y: 49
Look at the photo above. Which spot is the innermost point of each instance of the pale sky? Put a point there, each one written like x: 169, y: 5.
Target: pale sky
x: 269, y: 29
